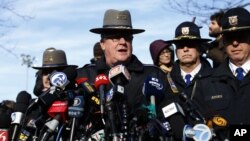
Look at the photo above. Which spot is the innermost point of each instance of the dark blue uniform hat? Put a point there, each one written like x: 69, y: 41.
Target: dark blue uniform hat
x: 187, y: 31
x: 235, y: 19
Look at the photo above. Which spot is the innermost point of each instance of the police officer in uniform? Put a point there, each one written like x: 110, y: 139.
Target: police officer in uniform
x: 226, y: 92
x: 116, y: 42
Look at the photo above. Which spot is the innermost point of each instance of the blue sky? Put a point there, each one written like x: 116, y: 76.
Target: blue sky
x: 65, y: 24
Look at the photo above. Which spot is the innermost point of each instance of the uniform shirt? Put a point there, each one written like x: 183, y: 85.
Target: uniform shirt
x: 193, y: 73
x: 245, y: 67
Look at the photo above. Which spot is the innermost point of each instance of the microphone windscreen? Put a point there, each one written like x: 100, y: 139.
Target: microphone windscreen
x: 101, y: 79
x: 22, y: 102
x: 153, y: 86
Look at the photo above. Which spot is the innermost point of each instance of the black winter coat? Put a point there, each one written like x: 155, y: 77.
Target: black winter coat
x: 204, y: 72
x: 222, y: 94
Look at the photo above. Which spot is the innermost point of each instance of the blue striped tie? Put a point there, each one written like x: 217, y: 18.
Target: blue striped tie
x: 239, y: 72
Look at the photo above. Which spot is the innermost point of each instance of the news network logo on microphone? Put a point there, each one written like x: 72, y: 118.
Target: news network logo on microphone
x: 239, y: 132
x: 4, y: 136
x: 58, y: 79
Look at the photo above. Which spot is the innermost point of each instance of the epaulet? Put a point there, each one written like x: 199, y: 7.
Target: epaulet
x: 89, y: 65
x: 149, y: 65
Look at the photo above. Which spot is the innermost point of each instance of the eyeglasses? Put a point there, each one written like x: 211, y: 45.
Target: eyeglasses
x: 239, y: 37
x: 117, y: 37
x: 165, y: 51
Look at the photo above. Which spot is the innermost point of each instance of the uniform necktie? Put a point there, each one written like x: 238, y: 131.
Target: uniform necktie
x: 239, y: 72
x: 188, y: 80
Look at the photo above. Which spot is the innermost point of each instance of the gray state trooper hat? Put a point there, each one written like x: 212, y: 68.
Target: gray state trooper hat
x: 54, y: 58
x: 117, y: 21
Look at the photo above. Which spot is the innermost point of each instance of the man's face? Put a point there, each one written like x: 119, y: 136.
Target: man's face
x: 237, y: 46
x: 187, y: 53
x: 214, y: 28
x: 117, y: 48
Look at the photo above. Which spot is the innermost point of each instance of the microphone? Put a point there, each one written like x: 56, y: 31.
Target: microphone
x: 59, y: 79
x: 220, y: 126
x: 100, y: 81
x: 119, y: 75
x: 88, y: 91
x: 75, y: 112
x: 58, y: 111
x: 51, y: 127
x: 192, y: 109
x: 200, y: 132
x: 174, y: 113
x: 5, y: 122
x: 152, y: 88
x: 59, y: 108
x: 20, y: 107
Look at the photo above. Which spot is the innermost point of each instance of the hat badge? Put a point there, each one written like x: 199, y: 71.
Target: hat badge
x: 185, y: 30
x: 122, y: 17
x: 233, y: 20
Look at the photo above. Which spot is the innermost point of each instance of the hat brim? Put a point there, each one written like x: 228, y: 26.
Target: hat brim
x: 187, y: 39
x: 236, y: 29
x: 114, y: 30
x: 54, y: 66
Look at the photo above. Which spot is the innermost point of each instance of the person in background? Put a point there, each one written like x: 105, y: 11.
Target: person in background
x: 226, y: 92
x: 116, y: 42
x: 216, y: 50
x: 53, y: 60
x: 97, y: 52
x: 162, y: 55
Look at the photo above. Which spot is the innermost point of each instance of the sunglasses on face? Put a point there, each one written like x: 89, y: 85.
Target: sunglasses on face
x: 188, y: 44
x: 243, y: 37
x: 117, y: 37
x: 49, y: 71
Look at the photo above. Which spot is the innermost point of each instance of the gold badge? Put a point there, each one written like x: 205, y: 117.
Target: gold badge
x: 185, y: 30
x: 233, y: 20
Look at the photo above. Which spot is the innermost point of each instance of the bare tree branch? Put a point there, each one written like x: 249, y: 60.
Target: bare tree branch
x: 203, y: 9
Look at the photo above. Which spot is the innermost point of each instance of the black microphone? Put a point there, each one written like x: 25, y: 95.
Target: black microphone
x: 174, y: 113
x: 20, y: 107
x: 75, y: 112
x: 192, y: 110
x: 152, y: 89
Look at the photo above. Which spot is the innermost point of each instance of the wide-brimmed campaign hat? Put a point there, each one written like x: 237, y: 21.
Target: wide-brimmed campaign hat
x: 235, y: 19
x: 54, y: 58
x: 117, y: 21
x: 187, y: 31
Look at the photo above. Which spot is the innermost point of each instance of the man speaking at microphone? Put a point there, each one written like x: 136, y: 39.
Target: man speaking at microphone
x: 116, y: 42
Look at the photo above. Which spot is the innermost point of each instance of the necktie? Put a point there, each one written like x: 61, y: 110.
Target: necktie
x: 239, y: 72
x: 187, y: 77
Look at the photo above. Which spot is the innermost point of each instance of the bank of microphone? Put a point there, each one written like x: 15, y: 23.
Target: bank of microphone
x: 20, y: 107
